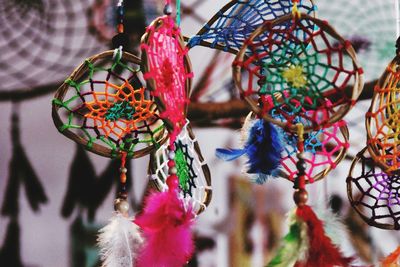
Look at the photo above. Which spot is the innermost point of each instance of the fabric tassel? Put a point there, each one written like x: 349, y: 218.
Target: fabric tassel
x: 392, y: 260
x: 321, y: 250
x: 166, y: 225
x: 263, y: 148
x: 119, y: 241
x: 294, y: 246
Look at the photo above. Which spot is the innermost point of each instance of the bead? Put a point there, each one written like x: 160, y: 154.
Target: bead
x: 300, y: 197
x: 121, y: 39
x: 167, y: 9
x: 171, y: 163
x: 300, y: 155
x: 171, y: 155
x: 121, y: 206
x: 301, y: 166
x: 173, y: 170
x: 123, y: 170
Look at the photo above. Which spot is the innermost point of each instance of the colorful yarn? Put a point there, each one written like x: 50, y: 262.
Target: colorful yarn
x: 235, y: 22
x: 383, y: 125
x: 295, y: 69
x: 167, y: 71
x: 108, y: 106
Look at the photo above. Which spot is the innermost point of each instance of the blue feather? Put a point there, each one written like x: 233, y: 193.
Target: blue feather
x: 229, y: 154
x: 263, y: 148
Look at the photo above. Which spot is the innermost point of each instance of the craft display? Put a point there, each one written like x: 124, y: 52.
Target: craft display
x: 295, y: 69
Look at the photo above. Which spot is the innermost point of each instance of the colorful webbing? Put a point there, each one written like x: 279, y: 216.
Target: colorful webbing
x: 234, y: 23
x: 383, y: 123
x: 108, y: 106
x: 303, y: 69
x: 167, y: 69
x: 374, y: 193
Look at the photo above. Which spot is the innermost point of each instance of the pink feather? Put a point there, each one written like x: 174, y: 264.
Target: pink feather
x: 166, y: 226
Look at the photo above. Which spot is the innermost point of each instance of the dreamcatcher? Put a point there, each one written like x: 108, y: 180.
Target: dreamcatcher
x: 373, y: 193
x: 192, y: 170
x: 228, y: 29
x: 104, y: 107
x: 300, y: 73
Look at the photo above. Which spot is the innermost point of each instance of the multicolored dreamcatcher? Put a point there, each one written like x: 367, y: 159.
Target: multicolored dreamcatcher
x: 192, y: 170
x: 373, y: 193
x: 298, y: 71
x: 382, y: 120
x: 228, y: 29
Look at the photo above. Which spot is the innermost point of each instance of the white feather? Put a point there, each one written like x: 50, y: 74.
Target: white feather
x: 119, y: 241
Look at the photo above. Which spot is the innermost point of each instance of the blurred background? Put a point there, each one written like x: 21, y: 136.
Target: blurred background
x: 50, y: 215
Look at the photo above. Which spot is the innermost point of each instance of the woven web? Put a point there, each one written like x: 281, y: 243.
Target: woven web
x: 109, y: 106
x: 235, y: 22
x: 383, y: 121
x: 374, y: 194
x: 321, y: 150
x: 167, y: 69
x: 298, y: 71
x: 369, y: 25
x: 197, y: 186
x: 39, y: 45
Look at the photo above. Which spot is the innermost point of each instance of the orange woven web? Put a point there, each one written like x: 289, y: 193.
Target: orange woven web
x: 166, y: 69
x: 383, y: 121
x: 110, y: 107
x: 298, y: 67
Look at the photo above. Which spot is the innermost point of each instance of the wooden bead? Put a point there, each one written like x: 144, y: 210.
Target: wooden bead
x: 300, y: 197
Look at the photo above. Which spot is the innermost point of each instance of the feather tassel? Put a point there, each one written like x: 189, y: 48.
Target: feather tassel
x: 119, y: 241
x: 166, y: 226
x: 322, y: 252
x: 263, y: 149
x: 294, y: 246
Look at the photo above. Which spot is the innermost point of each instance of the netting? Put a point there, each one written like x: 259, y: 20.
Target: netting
x: 192, y: 170
x: 382, y: 120
x: 369, y: 25
x: 235, y: 22
x: 167, y: 70
x: 323, y: 150
x: 106, y: 108
x: 40, y: 44
x: 373, y: 193
x: 301, y: 70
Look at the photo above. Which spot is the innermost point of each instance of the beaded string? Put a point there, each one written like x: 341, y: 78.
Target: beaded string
x: 121, y: 204
x: 300, y: 195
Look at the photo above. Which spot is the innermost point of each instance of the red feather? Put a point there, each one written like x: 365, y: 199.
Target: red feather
x: 322, y: 252
x: 166, y: 226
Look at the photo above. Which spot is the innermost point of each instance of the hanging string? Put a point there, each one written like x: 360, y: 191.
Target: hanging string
x: 120, y: 40
x: 178, y: 12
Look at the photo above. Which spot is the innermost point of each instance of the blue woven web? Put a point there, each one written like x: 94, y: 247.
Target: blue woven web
x: 235, y: 22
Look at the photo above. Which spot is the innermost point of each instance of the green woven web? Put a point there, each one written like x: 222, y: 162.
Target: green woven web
x: 185, y: 170
x: 109, y: 106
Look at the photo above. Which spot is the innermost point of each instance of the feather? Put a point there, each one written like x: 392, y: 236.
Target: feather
x: 166, y: 225
x: 263, y: 149
x: 294, y: 245
x: 119, y: 242
x: 322, y: 252
x: 229, y: 154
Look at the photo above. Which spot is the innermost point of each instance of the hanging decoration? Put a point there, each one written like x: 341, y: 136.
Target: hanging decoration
x: 306, y: 244
x: 103, y: 106
x: 382, y: 120
x: 298, y: 72
x: 228, y: 29
x: 166, y: 219
x: 373, y: 193
x: 192, y: 170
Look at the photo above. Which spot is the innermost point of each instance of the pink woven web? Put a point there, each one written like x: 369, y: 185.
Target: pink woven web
x: 167, y: 69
